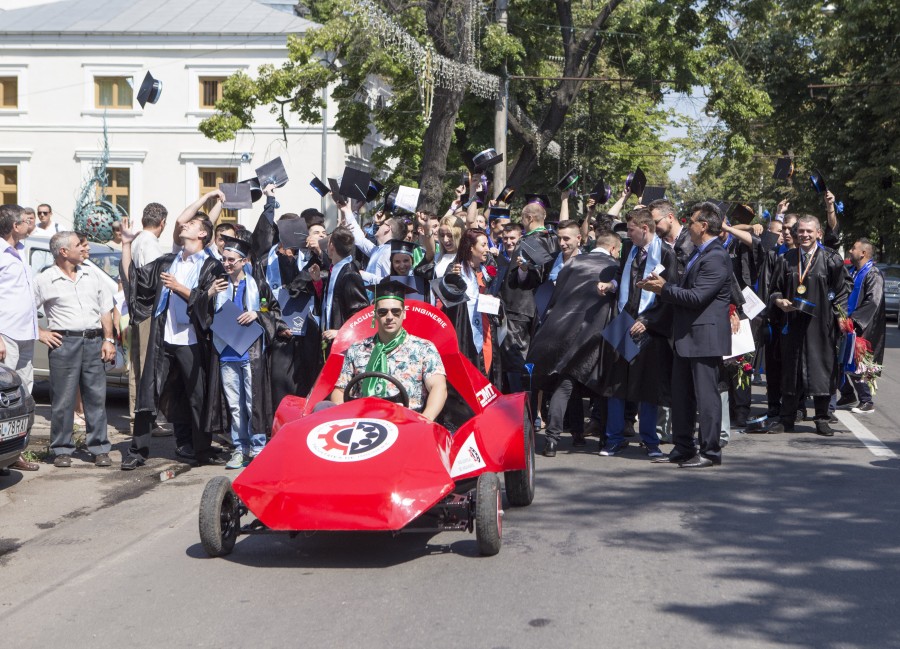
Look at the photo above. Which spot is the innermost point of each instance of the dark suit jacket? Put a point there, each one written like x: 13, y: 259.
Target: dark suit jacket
x: 701, y: 326
x: 349, y: 295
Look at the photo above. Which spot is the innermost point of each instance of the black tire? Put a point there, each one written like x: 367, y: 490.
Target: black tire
x: 488, y: 514
x: 220, y: 517
x: 520, y: 484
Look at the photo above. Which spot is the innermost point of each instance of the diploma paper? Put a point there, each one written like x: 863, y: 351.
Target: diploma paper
x: 742, y: 341
x: 753, y: 306
x: 238, y: 337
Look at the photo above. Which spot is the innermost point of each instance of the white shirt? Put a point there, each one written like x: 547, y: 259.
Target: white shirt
x: 72, y: 305
x: 145, y: 248
x: 18, y: 318
x: 177, y: 333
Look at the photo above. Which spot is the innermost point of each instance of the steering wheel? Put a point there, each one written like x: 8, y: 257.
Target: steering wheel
x: 404, y: 395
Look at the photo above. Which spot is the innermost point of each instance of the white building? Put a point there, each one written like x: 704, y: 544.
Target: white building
x: 64, y: 65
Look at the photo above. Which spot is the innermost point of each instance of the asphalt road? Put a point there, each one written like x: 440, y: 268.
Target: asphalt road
x: 793, y: 542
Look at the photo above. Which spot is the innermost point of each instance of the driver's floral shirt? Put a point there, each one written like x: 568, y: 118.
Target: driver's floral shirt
x: 411, y: 363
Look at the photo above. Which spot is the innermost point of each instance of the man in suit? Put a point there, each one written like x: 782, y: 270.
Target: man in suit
x: 702, y: 337
x: 345, y: 293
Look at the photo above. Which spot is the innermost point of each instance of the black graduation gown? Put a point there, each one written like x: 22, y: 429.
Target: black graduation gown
x: 684, y: 248
x: 809, y: 345
x: 155, y: 392
x: 869, y: 316
x: 568, y: 342
x: 262, y: 411
x: 648, y: 376
x: 518, y: 304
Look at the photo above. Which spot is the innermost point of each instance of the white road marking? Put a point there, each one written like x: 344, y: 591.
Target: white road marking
x: 863, y: 434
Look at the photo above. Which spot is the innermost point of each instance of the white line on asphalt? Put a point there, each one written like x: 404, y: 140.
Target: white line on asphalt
x: 864, y: 435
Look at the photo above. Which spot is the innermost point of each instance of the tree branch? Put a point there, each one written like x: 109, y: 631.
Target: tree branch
x: 564, y: 13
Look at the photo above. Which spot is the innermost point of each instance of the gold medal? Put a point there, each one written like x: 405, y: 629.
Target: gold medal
x: 801, y: 289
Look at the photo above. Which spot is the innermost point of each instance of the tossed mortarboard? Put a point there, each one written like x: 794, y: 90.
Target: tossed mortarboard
x: 652, y: 193
x: 335, y: 190
x: 255, y: 191
x: 237, y: 246
x: 818, y: 181
x: 237, y: 196
x: 636, y: 181
x: 768, y: 240
x: 568, y: 181
x: 450, y: 289
x: 320, y: 187
x: 375, y: 188
x: 534, y: 253
x: 272, y: 173
x: 784, y: 169
x: 485, y: 159
x: 497, y: 212
x: 601, y: 191
x: 399, y: 246
x: 292, y: 233
x: 150, y: 90
x: 506, y: 194
x: 541, y: 199
x: 742, y: 214
x: 355, y: 184
x: 722, y: 206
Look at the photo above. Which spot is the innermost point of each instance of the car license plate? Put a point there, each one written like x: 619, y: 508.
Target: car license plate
x: 13, y: 428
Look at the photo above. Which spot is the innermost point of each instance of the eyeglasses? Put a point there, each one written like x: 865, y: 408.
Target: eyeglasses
x: 43, y: 213
x: 396, y: 312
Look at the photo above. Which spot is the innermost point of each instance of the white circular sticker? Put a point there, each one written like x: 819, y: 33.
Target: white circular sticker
x: 351, y: 440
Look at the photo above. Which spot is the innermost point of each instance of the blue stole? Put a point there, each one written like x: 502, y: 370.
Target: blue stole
x: 858, y: 278
x: 654, y: 256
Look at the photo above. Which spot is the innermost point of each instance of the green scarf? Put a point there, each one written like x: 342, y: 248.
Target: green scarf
x: 378, y: 363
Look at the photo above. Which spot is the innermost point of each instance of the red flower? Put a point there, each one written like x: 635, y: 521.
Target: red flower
x: 748, y: 367
x: 491, y: 270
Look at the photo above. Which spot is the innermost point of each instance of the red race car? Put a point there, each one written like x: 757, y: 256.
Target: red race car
x: 374, y: 465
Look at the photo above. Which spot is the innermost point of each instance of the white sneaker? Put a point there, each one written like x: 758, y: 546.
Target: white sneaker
x: 236, y: 461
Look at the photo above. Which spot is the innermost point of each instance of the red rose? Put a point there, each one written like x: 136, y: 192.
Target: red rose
x: 491, y: 270
x: 748, y: 367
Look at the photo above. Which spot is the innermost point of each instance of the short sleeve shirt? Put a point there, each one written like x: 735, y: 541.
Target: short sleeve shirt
x: 73, y: 305
x: 411, y: 363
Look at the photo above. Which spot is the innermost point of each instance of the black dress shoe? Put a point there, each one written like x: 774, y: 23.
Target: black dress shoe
x: 132, y: 462
x: 549, y: 448
x: 779, y: 427
x: 698, y: 462
x: 823, y: 429
x: 211, y: 459
x: 671, y: 458
x: 578, y: 441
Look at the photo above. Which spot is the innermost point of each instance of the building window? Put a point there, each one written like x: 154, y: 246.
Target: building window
x: 9, y: 92
x: 113, y: 92
x: 118, y: 188
x: 210, y: 179
x: 9, y: 185
x: 210, y: 91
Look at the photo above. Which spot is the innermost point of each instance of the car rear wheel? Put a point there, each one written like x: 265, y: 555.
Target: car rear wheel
x: 520, y: 484
x: 488, y: 514
x: 220, y: 517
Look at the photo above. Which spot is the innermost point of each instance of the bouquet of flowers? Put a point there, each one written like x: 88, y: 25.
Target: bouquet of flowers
x: 744, y: 366
x: 856, y: 353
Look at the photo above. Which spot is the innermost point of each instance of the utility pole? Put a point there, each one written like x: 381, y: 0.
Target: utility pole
x: 502, y: 108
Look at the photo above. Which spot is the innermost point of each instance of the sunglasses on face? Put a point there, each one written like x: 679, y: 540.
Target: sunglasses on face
x: 43, y: 213
x: 396, y: 312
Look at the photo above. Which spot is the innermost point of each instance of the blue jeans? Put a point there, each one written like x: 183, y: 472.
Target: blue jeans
x: 615, y: 422
x: 238, y: 391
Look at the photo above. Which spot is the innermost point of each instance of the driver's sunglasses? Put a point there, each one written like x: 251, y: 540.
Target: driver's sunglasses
x: 396, y: 312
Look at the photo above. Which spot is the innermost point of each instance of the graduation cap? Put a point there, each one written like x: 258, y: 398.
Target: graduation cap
x: 541, y: 199
x: 768, y: 240
x: 497, y: 212
x: 355, y: 184
x: 237, y: 246
x: 486, y: 159
x: 533, y: 252
x: 468, y: 159
x: 401, y: 247
x: 601, y: 192
x: 415, y: 286
x: 292, y: 233
x: 390, y: 288
x: 237, y: 196
x: 375, y: 188
x: 255, y: 191
x: 320, y: 187
x: 506, y: 194
x: 450, y: 289
x: 335, y: 190
x: 636, y: 181
x: 742, y: 214
x: 721, y: 205
x: 652, y: 193
x: 818, y: 181
x: 568, y: 181
x: 784, y: 169
x: 756, y: 425
x: 150, y: 90
x: 804, y: 306
x: 272, y: 173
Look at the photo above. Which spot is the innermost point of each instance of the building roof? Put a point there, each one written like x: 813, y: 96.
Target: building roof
x: 139, y: 17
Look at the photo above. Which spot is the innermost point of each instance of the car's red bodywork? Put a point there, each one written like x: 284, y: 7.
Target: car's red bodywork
x: 370, y: 464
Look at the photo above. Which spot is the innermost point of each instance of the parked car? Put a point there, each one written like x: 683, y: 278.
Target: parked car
x: 16, y: 417
x: 105, y: 260
x: 891, y: 274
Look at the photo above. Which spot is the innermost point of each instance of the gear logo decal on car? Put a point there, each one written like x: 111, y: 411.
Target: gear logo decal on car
x: 351, y: 440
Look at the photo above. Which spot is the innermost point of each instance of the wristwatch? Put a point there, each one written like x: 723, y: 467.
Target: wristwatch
x: 110, y: 340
